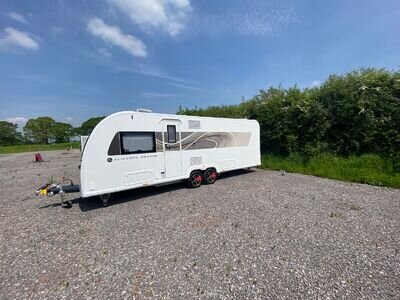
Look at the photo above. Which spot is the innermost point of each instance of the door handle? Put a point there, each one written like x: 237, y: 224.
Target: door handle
x: 167, y: 146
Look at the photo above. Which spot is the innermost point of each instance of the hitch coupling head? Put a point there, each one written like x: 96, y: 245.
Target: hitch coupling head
x: 55, y: 189
x: 48, y: 190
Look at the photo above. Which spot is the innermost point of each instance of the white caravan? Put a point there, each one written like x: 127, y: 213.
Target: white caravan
x: 128, y: 150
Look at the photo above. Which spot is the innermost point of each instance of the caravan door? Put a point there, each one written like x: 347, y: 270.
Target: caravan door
x: 172, y: 148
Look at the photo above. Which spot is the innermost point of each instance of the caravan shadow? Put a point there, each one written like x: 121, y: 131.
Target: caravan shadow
x: 58, y: 203
x: 87, y: 204
x: 234, y: 173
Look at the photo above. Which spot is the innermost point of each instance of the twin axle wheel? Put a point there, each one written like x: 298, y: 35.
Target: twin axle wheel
x: 197, y: 178
x: 210, y: 176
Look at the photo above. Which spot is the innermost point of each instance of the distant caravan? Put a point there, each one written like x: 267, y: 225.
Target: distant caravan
x: 128, y: 150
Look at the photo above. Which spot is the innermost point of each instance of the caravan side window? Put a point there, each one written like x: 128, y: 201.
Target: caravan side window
x: 171, y: 130
x: 137, y: 142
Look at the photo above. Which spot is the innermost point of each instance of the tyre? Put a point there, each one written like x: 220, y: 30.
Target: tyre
x: 210, y: 176
x: 195, y: 180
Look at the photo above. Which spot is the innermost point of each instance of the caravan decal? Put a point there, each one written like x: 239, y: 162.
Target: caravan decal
x: 205, y: 140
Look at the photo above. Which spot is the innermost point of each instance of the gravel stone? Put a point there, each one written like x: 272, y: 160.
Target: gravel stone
x: 256, y: 235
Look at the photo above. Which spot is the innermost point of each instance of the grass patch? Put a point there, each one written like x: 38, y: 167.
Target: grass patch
x: 368, y: 168
x: 37, y: 147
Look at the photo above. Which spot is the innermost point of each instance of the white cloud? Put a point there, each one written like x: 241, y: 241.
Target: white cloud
x: 69, y: 119
x: 113, y: 35
x: 16, y: 38
x: 249, y: 18
x: 255, y: 22
x: 169, y: 15
x: 188, y: 87
x: 147, y: 71
x: 315, y: 83
x: 104, y: 51
x: 17, y: 120
x: 17, y: 17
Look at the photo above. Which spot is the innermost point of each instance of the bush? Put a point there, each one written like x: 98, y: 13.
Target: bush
x: 353, y: 114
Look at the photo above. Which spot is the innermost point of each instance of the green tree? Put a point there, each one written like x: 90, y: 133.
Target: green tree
x: 9, y: 134
x: 364, y: 112
x: 39, y: 130
x: 88, y: 126
x: 62, y: 132
x: 291, y: 120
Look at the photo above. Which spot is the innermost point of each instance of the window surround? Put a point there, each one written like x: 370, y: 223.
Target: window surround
x: 138, y: 133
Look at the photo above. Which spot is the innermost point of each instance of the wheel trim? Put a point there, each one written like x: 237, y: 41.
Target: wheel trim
x: 212, y: 176
x: 196, y: 180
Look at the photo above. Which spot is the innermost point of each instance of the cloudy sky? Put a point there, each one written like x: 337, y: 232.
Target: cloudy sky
x: 75, y: 59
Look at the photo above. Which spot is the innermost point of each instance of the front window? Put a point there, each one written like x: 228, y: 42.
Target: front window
x: 137, y: 142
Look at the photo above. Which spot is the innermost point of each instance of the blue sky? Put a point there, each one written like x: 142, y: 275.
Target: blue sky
x: 76, y: 59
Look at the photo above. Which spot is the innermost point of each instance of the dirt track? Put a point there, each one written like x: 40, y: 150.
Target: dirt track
x: 250, y: 235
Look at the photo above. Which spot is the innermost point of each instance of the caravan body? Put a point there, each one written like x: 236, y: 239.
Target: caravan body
x: 128, y: 150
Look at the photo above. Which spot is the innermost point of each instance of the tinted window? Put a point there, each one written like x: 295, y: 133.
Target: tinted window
x: 171, y: 129
x: 137, y: 142
x: 115, y: 148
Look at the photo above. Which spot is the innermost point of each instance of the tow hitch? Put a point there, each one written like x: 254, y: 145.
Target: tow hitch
x: 52, y: 189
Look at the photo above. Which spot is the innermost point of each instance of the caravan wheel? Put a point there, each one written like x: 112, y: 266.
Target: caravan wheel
x: 210, y: 176
x: 195, y: 180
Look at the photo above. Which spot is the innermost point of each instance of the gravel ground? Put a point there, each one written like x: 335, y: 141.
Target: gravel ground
x: 256, y: 235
